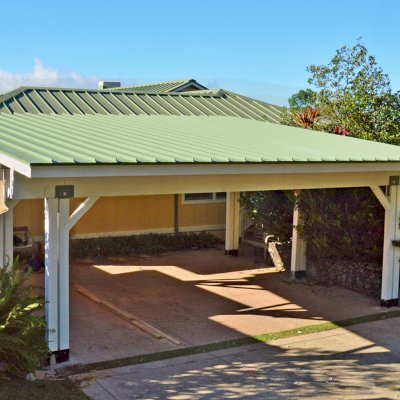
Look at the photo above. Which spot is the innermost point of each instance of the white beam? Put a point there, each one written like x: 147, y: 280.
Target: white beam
x: 390, y: 263
x: 51, y: 272
x: 381, y: 196
x: 298, y: 259
x: 153, y: 185
x: 80, y: 211
x: 232, y: 230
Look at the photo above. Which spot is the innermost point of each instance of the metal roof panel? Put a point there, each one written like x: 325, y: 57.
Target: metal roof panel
x: 52, y: 139
x: 81, y: 101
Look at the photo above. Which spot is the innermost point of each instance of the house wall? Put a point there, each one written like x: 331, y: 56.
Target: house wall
x: 126, y: 215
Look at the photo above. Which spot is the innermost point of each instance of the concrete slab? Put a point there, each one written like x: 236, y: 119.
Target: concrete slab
x: 197, y: 297
x: 96, y: 334
x: 344, y: 363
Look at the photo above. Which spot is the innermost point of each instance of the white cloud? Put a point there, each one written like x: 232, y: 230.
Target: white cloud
x: 43, y: 76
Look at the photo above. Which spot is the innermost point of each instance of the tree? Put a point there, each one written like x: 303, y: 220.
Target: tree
x: 302, y: 99
x: 352, y: 94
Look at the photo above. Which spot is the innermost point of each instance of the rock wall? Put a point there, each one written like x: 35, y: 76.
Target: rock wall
x: 362, y: 277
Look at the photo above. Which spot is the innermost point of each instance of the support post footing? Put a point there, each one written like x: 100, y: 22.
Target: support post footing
x: 390, y: 303
x: 61, y: 355
x: 299, y: 274
x: 231, y: 252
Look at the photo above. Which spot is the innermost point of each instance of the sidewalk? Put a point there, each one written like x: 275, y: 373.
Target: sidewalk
x: 359, y: 362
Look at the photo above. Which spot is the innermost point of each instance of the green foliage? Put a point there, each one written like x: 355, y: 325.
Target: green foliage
x: 354, y: 92
x: 272, y: 209
x: 22, y: 332
x: 342, y: 224
x: 141, y: 244
x: 20, y: 389
x: 302, y: 99
x: 351, y: 92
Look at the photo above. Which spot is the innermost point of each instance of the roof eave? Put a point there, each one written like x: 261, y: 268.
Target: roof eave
x: 16, y: 165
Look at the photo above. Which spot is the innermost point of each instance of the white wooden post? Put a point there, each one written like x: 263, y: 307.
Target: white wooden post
x: 2, y: 234
x: 63, y: 275
x: 58, y: 223
x: 8, y: 233
x: 232, y: 230
x: 51, y: 272
x: 391, y: 254
x: 298, y: 260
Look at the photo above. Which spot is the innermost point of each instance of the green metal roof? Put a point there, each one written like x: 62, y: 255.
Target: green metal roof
x: 98, y: 139
x: 164, y: 87
x: 36, y: 100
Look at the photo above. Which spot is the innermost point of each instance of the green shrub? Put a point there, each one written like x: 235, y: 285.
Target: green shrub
x: 344, y: 224
x: 22, y: 332
x: 340, y: 224
x: 272, y: 209
x: 141, y: 244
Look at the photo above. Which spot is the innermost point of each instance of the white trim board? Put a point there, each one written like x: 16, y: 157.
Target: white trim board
x: 19, y: 166
x: 61, y: 171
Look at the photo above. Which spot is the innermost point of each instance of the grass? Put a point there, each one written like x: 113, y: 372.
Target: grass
x: 19, y: 389
x: 141, y: 359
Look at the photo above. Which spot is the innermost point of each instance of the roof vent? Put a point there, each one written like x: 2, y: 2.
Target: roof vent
x: 108, y: 85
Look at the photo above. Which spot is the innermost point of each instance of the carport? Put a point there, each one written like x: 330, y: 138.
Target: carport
x: 91, y: 156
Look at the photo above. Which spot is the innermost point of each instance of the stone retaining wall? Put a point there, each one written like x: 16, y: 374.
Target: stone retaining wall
x: 362, y: 277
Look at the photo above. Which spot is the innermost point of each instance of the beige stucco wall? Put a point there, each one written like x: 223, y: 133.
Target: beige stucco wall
x: 126, y: 215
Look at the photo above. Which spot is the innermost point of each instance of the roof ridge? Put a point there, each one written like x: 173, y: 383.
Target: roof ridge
x: 166, y: 86
x: 21, y: 89
x: 159, y: 83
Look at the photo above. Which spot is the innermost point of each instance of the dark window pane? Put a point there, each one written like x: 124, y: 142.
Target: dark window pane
x: 220, y: 195
x: 198, y: 196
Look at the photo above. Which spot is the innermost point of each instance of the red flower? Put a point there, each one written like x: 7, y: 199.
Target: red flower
x: 341, y: 131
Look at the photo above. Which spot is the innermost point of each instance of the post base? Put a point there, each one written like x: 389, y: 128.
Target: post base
x: 61, y: 355
x: 231, y: 252
x: 299, y: 274
x: 390, y: 303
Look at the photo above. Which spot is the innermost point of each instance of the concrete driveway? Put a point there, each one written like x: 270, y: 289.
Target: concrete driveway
x: 360, y: 362
x: 195, y: 297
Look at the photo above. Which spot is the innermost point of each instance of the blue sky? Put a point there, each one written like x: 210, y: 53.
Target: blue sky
x: 257, y: 47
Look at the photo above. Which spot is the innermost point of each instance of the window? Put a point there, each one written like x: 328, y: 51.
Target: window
x: 194, y: 198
